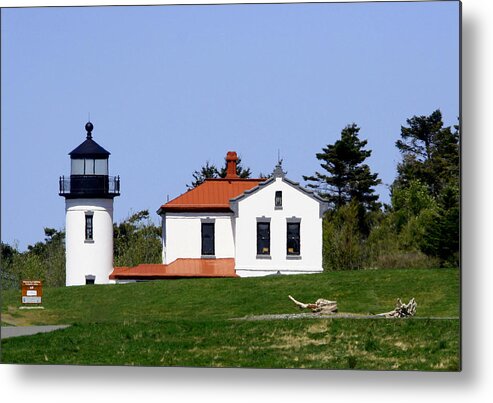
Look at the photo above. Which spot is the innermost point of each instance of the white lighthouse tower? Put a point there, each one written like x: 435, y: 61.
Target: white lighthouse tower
x: 89, y: 194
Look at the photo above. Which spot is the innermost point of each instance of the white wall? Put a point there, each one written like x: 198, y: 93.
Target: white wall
x: 85, y: 258
x: 295, y: 204
x: 182, y: 235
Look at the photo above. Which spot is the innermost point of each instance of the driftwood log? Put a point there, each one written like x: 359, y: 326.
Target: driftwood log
x: 320, y: 305
x: 401, y: 310
x: 327, y: 307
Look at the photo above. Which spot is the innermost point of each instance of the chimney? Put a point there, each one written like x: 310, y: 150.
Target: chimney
x: 231, y: 161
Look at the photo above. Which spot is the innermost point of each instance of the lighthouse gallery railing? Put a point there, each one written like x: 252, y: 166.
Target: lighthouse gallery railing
x: 84, y: 185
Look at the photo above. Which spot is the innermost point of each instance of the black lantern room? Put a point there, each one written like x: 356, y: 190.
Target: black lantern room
x: 89, y: 175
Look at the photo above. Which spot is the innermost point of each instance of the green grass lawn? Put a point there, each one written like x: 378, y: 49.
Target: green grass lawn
x: 188, y: 323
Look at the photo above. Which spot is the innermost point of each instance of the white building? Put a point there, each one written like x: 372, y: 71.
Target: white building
x: 260, y: 226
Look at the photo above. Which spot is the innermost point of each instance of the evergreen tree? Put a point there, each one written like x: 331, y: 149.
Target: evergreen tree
x: 8, y: 277
x: 441, y: 238
x: 430, y: 153
x: 210, y: 171
x: 240, y: 171
x: 8, y: 252
x: 206, y: 172
x: 347, y: 178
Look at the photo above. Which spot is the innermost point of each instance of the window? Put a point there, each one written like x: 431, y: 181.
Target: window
x: 89, y: 169
x: 90, y: 279
x: 278, y: 200
x: 77, y: 167
x: 207, y: 239
x: 101, y: 167
x: 293, y: 238
x: 89, y: 166
x: 89, y: 227
x: 263, y: 238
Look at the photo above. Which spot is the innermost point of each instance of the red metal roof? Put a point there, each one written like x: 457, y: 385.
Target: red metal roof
x: 180, y: 268
x: 212, y: 195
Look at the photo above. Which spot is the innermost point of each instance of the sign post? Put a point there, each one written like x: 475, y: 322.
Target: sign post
x: 32, y: 292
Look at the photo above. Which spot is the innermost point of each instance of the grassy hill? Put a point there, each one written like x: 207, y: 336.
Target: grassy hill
x: 187, y: 323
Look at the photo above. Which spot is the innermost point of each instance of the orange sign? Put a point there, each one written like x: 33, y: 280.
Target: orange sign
x: 32, y: 291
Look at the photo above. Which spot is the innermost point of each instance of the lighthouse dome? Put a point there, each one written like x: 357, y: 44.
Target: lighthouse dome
x: 89, y: 148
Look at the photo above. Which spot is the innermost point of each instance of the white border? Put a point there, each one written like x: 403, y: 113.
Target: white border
x: 78, y: 383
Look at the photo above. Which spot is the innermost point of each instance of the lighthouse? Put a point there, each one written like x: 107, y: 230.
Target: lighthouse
x: 89, y: 194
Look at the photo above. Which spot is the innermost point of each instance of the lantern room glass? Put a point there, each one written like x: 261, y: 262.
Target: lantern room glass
x: 77, y: 167
x: 89, y: 166
x: 101, y: 167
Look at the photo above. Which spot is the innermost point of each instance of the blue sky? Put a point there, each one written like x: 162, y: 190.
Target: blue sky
x: 170, y: 87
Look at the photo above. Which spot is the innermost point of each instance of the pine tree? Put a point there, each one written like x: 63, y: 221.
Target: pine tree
x: 210, y: 171
x: 206, y: 172
x: 430, y: 156
x: 430, y: 153
x: 240, y: 171
x: 347, y: 178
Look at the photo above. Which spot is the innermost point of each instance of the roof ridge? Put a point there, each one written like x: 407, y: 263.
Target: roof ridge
x: 233, y: 179
x: 211, y: 194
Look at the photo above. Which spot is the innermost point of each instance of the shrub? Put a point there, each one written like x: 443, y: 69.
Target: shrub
x: 343, y: 244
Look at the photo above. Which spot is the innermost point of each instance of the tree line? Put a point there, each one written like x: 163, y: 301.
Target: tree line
x: 419, y: 228
x: 135, y: 240
x: 421, y: 225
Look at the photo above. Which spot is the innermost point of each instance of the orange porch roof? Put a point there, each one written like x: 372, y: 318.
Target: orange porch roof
x: 180, y: 268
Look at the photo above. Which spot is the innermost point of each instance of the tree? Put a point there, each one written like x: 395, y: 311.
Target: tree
x: 343, y: 246
x: 347, y: 178
x: 408, y: 202
x: 210, y: 171
x: 428, y: 177
x: 430, y: 153
x: 441, y: 237
x: 8, y: 253
x: 8, y: 279
x: 55, y: 257
x: 137, y: 240
x: 42, y: 261
x: 240, y: 171
x: 207, y: 171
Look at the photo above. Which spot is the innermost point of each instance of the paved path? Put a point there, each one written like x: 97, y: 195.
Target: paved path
x: 14, y: 331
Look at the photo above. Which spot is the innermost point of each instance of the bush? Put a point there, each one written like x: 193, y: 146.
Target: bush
x: 389, y: 249
x: 43, y: 261
x: 137, y: 240
x: 343, y: 246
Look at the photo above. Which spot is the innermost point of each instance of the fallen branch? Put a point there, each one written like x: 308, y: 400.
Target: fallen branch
x: 320, y: 305
x: 401, y: 310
